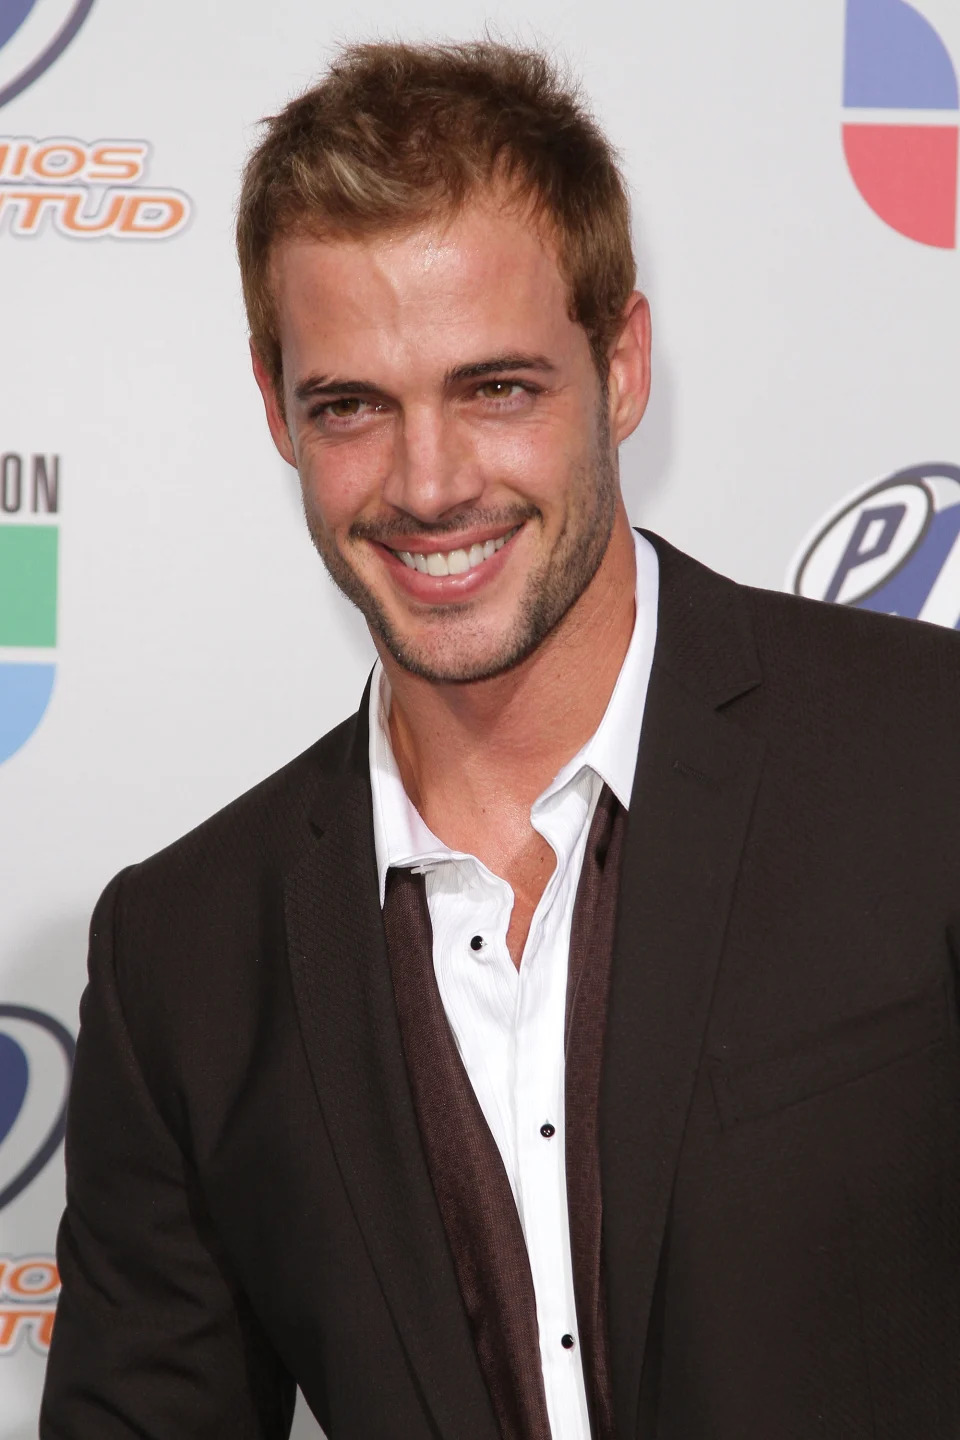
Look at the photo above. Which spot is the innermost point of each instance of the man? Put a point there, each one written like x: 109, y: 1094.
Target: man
x: 566, y: 1045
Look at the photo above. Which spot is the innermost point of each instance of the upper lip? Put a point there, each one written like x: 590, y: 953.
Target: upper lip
x: 444, y: 544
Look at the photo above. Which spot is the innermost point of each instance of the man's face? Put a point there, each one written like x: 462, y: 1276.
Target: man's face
x: 451, y: 434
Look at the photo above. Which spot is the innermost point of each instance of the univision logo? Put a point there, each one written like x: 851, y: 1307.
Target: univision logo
x: 29, y: 563
x: 894, y: 548
x: 904, y: 156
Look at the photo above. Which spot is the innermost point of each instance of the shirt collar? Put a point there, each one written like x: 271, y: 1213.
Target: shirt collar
x: 402, y: 838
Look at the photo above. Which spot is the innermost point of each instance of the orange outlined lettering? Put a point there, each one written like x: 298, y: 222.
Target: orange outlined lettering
x: 31, y: 204
x: 47, y: 161
x: 126, y: 214
x: 29, y: 1287
x: 90, y: 190
x: 32, y: 1279
x: 72, y: 222
x: 19, y: 160
x: 64, y: 158
x: 151, y: 216
x: 17, y: 1321
x: 118, y: 162
x: 28, y: 1277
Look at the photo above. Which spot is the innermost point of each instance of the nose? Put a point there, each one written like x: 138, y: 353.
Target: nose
x: 433, y: 471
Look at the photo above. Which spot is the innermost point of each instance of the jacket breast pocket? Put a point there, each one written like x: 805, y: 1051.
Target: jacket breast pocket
x: 842, y: 1053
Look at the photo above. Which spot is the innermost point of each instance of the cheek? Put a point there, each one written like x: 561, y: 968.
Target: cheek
x: 342, y: 482
x: 537, y: 461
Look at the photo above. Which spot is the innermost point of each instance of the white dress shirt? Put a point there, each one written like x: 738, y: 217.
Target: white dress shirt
x: 508, y: 1023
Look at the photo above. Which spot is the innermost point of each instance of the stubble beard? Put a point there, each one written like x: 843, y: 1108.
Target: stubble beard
x: 550, y: 591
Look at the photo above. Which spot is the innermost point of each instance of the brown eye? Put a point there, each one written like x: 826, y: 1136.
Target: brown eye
x: 498, y: 389
x: 346, y: 407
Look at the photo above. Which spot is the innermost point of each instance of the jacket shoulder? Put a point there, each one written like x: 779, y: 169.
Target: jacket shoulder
x: 260, y: 829
x: 820, y: 642
x: 714, y: 625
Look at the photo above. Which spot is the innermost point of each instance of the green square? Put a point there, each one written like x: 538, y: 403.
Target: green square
x: 28, y: 585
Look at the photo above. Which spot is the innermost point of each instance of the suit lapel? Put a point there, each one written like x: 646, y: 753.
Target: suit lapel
x: 697, y: 774
x: 345, y: 1003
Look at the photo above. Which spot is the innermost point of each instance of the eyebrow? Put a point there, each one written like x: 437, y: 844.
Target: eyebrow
x: 497, y: 364
x: 317, y: 385
x: 320, y: 385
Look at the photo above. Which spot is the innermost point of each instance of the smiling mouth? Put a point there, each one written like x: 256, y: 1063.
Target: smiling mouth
x: 453, y: 562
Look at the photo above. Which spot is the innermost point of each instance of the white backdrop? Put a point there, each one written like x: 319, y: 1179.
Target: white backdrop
x: 805, y: 350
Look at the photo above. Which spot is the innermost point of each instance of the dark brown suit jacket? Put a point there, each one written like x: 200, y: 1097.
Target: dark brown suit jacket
x: 248, y: 1201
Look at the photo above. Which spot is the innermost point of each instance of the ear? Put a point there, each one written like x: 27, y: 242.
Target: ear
x: 271, y: 404
x: 628, y: 385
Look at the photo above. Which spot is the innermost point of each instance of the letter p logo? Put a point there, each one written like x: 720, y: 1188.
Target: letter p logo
x: 871, y: 538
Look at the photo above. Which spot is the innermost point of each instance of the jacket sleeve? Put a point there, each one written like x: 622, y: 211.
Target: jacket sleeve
x: 152, y: 1338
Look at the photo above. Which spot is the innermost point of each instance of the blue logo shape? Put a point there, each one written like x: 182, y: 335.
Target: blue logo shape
x: 895, y: 60
x: 12, y: 15
x: 25, y: 692
x: 16, y: 1077
x: 894, y: 549
x: 62, y: 21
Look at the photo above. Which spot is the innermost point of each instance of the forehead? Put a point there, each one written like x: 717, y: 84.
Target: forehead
x: 485, y: 279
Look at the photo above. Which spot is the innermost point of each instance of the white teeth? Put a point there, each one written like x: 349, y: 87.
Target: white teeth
x: 455, y: 562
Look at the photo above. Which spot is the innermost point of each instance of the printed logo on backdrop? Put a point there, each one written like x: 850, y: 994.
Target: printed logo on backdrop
x: 29, y: 564
x: 36, y: 1061
x: 33, y: 34
x: 893, y: 548
x: 29, y: 1290
x: 902, y: 119
x: 77, y: 188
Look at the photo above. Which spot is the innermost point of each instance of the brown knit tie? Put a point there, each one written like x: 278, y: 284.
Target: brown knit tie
x: 588, y: 988
x: 469, y: 1180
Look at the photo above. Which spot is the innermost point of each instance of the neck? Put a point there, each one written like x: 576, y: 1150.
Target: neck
x: 494, y: 745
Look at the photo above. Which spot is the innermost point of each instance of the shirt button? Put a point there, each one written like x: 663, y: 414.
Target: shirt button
x: 548, y: 1131
x: 567, y: 1341
x: 476, y: 943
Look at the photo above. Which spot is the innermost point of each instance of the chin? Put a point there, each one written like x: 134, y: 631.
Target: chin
x: 446, y: 662
x: 442, y: 667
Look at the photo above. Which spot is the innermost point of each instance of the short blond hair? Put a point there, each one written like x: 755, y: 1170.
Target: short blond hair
x: 395, y: 133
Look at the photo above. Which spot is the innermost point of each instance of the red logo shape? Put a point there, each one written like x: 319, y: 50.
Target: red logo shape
x: 908, y: 176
